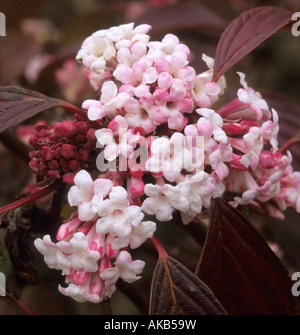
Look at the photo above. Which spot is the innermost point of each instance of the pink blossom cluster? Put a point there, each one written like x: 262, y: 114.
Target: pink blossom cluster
x: 92, y: 249
x: 159, y: 119
x: 257, y: 166
x: 148, y: 83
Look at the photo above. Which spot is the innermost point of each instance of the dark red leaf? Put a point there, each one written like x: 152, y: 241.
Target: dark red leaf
x: 19, y: 104
x: 175, y: 290
x: 247, y: 32
x: 240, y: 268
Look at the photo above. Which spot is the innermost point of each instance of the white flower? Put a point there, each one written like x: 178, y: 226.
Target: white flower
x: 86, y: 192
x: 167, y: 48
x: 94, y: 108
x: 79, y: 254
x: 79, y: 293
x: 125, y: 268
x: 250, y: 97
x: 53, y: 256
x: 101, y: 51
x: 105, y: 137
x: 215, y: 121
x: 101, y: 187
x: 109, y: 104
x: 169, y: 156
x: 205, y: 92
x: 157, y: 203
x: 95, y: 51
x: 117, y: 217
x: 137, y: 237
x: 198, y: 191
x: 177, y: 195
x: 270, y: 130
x: 222, y: 153
x: 81, y: 195
x: 253, y: 143
x: 117, y: 139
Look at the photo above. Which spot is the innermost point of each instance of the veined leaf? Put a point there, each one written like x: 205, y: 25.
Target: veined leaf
x: 19, y: 104
x: 247, y: 32
x: 176, y: 290
x: 240, y: 268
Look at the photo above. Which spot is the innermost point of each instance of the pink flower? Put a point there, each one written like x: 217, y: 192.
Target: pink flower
x: 125, y: 268
x: 168, y: 48
x: 210, y: 124
x: 261, y: 184
x: 289, y: 193
x: 117, y: 139
x: 100, y: 50
x: 138, y: 235
x: 222, y: 153
x: 270, y: 130
x: 94, y: 290
x: 53, y: 256
x: 157, y: 203
x: 205, y: 92
x: 81, y: 195
x: 117, y: 217
x: 253, y: 99
x: 191, y: 194
x: 171, y: 156
x: 79, y: 254
x: 84, y: 193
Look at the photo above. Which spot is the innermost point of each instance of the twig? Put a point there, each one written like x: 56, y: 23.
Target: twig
x: 32, y: 197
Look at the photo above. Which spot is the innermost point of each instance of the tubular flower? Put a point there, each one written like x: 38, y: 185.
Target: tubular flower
x: 154, y: 143
x: 89, y: 245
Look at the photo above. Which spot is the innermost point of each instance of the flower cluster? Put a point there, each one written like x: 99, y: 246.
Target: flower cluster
x: 91, y: 251
x: 257, y: 166
x: 61, y: 150
x: 163, y: 147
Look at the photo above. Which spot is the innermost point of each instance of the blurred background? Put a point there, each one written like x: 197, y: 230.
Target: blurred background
x: 38, y: 53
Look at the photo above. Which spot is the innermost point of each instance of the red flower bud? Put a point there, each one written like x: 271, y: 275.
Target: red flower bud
x: 69, y: 178
x: 67, y: 151
x: 34, y: 165
x: 82, y: 127
x: 90, y: 135
x: 47, y: 154
x: 53, y: 165
x: 73, y: 164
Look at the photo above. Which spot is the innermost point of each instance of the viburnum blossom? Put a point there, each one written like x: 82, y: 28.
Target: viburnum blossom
x: 174, y: 149
x: 206, y: 92
x: 89, y: 245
